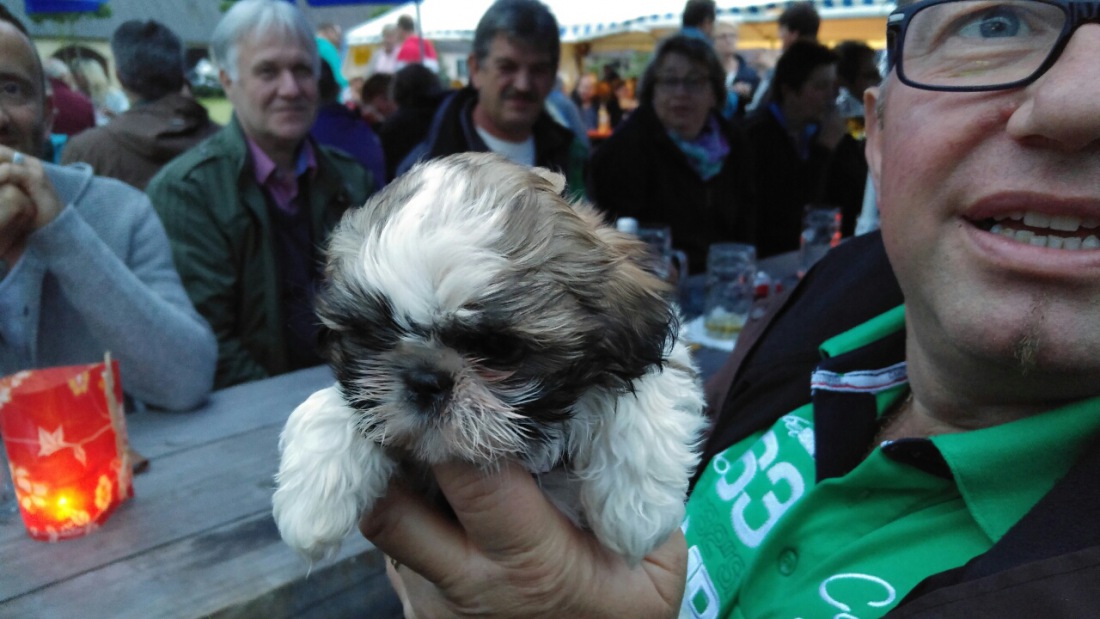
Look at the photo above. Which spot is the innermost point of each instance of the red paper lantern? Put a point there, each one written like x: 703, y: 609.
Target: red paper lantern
x: 65, y: 433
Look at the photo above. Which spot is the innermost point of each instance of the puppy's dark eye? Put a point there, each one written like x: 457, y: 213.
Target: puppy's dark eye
x: 494, y: 349
x: 501, y: 349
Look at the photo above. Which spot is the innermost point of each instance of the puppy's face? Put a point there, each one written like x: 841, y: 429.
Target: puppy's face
x: 467, y: 306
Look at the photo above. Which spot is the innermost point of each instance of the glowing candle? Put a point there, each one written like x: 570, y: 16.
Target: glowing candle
x: 65, y: 434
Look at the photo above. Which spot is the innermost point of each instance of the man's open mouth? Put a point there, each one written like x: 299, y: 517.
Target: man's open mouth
x: 1042, y: 230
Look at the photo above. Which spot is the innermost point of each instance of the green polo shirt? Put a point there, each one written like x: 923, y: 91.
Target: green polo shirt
x: 774, y: 530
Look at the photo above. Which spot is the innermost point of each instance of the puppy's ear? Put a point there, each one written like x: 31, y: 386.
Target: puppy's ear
x: 556, y: 180
x: 638, y: 318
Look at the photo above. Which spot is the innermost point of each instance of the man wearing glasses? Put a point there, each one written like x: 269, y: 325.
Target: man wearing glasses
x: 937, y: 458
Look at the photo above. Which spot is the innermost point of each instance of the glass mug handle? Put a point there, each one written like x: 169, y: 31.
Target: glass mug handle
x: 680, y: 258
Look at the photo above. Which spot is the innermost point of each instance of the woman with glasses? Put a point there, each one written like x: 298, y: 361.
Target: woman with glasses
x: 675, y: 161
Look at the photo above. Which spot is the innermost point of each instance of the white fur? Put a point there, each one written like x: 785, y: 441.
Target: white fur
x: 329, y: 474
x: 634, y: 455
x: 630, y: 453
x: 433, y: 260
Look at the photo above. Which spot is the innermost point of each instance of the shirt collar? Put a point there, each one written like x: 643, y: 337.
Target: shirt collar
x: 1001, y: 472
x: 263, y: 167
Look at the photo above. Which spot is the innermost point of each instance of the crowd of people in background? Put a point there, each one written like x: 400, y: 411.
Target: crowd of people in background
x: 704, y: 141
x: 193, y: 252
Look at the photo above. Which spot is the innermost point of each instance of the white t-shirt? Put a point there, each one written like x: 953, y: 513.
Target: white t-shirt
x: 522, y: 153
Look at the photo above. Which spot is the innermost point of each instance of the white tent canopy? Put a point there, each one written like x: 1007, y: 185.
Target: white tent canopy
x: 590, y: 20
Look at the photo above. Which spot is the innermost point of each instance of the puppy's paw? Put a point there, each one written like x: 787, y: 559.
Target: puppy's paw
x: 327, y: 476
x: 635, y: 455
x: 632, y: 528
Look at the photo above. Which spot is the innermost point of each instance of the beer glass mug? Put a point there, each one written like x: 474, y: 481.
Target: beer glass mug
x: 662, y: 255
x: 820, y: 232
x: 731, y: 269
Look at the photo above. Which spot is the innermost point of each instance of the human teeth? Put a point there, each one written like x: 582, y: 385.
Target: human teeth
x: 1016, y: 215
x: 1071, y: 243
x: 1089, y: 222
x: 1008, y: 233
x: 1064, y: 223
x: 996, y: 228
x: 1038, y: 240
x: 1036, y: 220
x: 1054, y: 242
x: 1024, y: 236
x: 1090, y: 242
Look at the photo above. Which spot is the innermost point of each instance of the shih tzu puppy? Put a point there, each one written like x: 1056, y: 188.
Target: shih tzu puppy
x: 469, y: 312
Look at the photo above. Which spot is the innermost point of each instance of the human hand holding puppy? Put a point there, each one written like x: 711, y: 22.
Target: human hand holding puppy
x: 512, y: 554
x: 473, y: 315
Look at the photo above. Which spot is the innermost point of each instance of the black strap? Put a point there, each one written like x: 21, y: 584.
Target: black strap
x: 851, y: 285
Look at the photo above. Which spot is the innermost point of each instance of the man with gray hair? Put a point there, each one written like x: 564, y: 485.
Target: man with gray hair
x: 163, y: 120
x: 248, y: 209
x: 513, y: 67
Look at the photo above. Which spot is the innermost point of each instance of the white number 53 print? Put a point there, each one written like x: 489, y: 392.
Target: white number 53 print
x: 776, y: 472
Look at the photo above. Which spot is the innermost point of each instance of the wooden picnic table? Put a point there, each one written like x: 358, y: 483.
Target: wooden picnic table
x: 197, y: 539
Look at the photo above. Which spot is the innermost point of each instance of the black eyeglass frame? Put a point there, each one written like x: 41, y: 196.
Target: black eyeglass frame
x: 1077, y: 12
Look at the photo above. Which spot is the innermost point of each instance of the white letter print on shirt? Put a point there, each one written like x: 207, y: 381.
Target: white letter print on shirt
x: 700, y: 599
x: 890, y: 593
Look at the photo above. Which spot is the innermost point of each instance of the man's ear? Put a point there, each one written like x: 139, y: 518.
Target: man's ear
x: 224, y: 80
x: 49, y: 113
x: 873, y: 128
x: 471, y: 68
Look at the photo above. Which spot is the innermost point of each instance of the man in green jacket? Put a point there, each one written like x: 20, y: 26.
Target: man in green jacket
x: 248, y: 210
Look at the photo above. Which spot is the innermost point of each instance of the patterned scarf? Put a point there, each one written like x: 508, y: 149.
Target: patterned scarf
x: 707, y: 152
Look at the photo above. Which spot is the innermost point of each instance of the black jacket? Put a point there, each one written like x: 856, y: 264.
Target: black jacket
x: 402, y: 131
x: 640, y: 172
x: 1047, y: 565
x: 452, y: 131
x: 786, y: 182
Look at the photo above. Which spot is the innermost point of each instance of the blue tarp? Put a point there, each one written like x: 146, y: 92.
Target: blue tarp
x: 62, y: 6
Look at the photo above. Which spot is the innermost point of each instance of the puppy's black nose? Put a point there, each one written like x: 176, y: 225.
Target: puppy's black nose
x: 429, y: 388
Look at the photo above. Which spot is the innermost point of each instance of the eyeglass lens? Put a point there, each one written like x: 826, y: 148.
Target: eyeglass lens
x: 979, y: 42
x: 689, y: 84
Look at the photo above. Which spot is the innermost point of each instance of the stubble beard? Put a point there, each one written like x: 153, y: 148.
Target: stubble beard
x: 1027, y: 347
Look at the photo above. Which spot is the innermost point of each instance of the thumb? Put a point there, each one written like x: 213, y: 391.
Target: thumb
x: 502, y: 510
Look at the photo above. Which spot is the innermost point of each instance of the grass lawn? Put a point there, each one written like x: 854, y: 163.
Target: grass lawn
x: 219, y: 108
